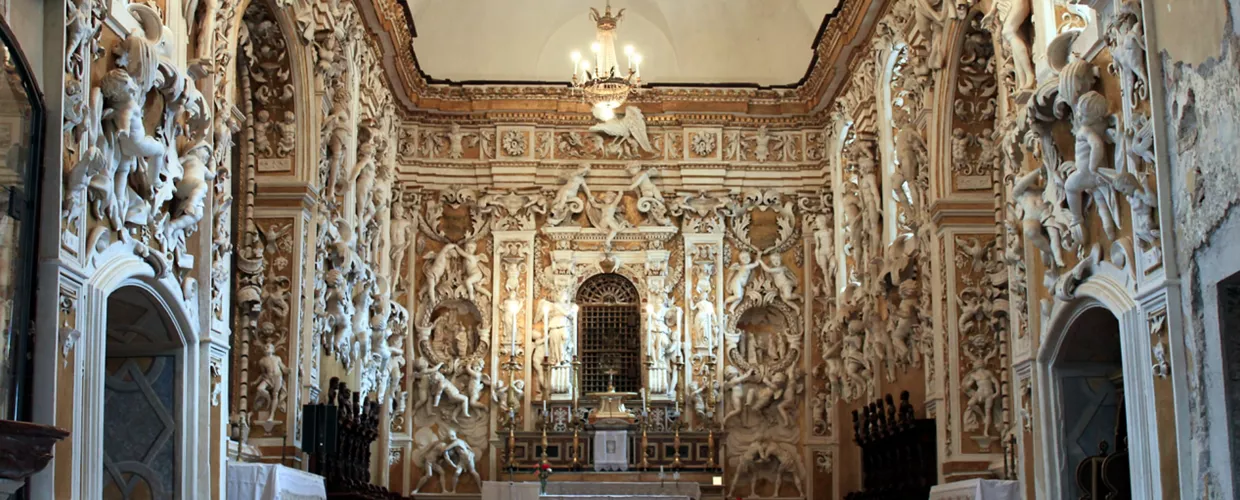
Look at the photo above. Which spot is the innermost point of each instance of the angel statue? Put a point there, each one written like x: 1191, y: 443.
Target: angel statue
x: 473, y: 268
x: 649, y: 198
x: 784, y: 280
x: 629, y: 130
x: 608, y: 216
x: 566, y: 202
x: 741, y: 272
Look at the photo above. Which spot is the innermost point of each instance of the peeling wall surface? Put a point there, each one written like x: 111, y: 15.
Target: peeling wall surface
x: 1202, y: 106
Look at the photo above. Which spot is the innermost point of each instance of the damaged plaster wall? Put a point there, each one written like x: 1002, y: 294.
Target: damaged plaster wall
x: 1202, y: 84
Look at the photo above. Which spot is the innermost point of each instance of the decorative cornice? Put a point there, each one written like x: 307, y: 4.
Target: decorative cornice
x: 840, y: 39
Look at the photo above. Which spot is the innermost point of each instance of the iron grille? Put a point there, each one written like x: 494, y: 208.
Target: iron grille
x: 609, y: 334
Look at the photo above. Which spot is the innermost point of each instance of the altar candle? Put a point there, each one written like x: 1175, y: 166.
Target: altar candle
x: 512, y: 346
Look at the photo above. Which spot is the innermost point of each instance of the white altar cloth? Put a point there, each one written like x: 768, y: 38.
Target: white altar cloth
x: 630, y: 490
x: 611, y: 451
x: 976, y: 489
x: 612, y: 497
x: 505, y: 490
x: 272, y: 482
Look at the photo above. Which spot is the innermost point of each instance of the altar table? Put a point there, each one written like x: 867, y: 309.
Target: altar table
x: 506, y: 490
x: 247, y: 481
x: 976, y: 489
x: 668, y: 490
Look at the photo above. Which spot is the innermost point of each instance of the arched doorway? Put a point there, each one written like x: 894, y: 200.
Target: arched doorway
x: 609, y: 334
x: 1092, y: 424
x: 142, y: 390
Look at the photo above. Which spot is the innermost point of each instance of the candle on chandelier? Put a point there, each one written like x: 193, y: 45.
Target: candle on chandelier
x: 585, y: 69
x: 576, y: 57
x: 628, y: 56
x: 637, y: 66
x: 598, y: 52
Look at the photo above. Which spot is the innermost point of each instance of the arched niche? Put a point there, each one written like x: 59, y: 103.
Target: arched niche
x: 609, y: 333
x: 143, y: 409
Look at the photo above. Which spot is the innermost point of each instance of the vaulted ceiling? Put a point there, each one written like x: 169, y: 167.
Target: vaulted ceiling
x: 767, y: 42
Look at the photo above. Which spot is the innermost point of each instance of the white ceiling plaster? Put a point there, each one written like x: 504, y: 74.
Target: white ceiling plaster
x: 682, y: 41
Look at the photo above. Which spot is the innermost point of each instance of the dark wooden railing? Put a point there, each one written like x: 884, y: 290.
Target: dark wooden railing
x: 339, y: 447
x: 898, y: 452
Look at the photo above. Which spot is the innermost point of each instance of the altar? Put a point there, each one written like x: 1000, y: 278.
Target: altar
x: 580, y: 490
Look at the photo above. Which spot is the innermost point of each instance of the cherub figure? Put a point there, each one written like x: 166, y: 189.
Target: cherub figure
x: 735, y: 381
x: 435, y: 269
x: 762, y: 144
x: 262, y: 133
x: 785, y: 281
x: 479, y: 380
x: 288, y: 134
x: 566, y: 202
x: 609, y: 217
x: 123, y: 98
x: 457, y: 140
x: 1089, y: 126
x: 1034, y: 212
x: 471, y: 261
x: 741, y: 272
x: 440, y: 385
x: 1144, y: 203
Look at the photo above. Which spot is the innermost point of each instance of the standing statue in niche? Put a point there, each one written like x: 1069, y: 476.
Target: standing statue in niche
x: 566, y: 203
x: 785, y: 281
x: 662, y: 345
x: 402, y: 231
x: 982, y: 388
x: 271, y: 392
x: 741, y: 272
x: 824, y: 250
x: 560, y: 323
x: 363, y: 179
x: 911, y: 151
x: 704, y: 322
x: 1014, y: 15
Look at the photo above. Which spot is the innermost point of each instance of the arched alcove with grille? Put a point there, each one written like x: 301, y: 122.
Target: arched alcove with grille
x: 609, y: 336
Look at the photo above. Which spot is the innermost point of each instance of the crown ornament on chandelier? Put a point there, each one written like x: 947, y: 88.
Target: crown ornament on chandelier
x: 601, y: 81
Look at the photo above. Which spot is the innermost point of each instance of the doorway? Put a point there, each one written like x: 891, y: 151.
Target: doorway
x: 142, y: 390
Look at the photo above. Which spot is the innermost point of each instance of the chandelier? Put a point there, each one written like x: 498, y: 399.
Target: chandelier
x: 605, y: 88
